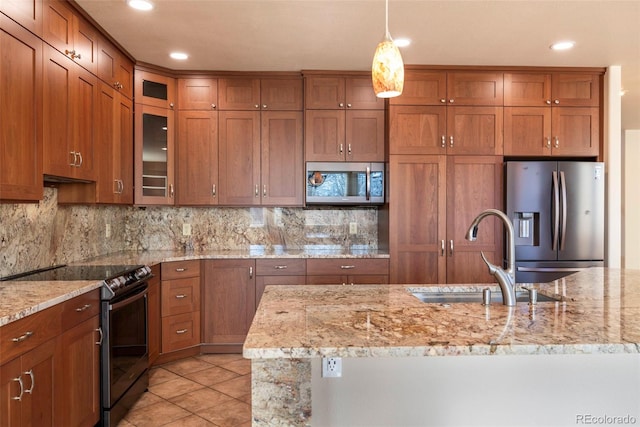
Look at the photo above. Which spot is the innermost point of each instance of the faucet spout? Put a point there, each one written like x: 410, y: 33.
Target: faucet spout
x: 506, y: 278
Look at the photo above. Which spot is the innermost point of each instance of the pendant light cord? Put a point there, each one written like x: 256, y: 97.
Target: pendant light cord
x: 386, y: 20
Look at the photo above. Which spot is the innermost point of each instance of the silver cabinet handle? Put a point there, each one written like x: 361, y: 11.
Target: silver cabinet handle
x: 556, y: 101
x: 81, y: 159
x: 33, y: 381
x: 341, y: 104
x: 264, y: 190
x: 250, y: 272
x: 548, y: 142
x: 180, y: 296
x: 443, y: 101
x: 340, y: 148
x: 121, y: 186
x: 99, y: 331
x: 181, y: 331
x: 280, y: 267
x: 557, y: 142
x: 264, y: 106
x: 257, y: 192
x: 116, y: 186
x: 548, y: 102
x: 451, y: 101
x: 83, y: 308
x: 213, y: 106
x: 347, y: 267
x: 19, y: 381
x: 451, y: 247
x: 22, y: 337
x: 181, y: 269
x: 171, y: 193
x: 442, y: 247
x: 443, y: 141
x: 171, y: 105
x: 73, y: 161
x: 349, y: 149
x: 348, y: 105
x: 257, y: 105
x: 213, y: 190
x: 451, y: 141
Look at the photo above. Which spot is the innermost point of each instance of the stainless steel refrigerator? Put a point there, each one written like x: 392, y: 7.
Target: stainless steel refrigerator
x: 557, y: 210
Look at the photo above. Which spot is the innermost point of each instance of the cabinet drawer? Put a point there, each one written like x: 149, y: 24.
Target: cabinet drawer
x: 180, y: 331
x: 80, y: 308
x: 180, y: 296
x: 29, y: 332
x: 347, y: 266
x: 281, y: 267
x: 180, y: 269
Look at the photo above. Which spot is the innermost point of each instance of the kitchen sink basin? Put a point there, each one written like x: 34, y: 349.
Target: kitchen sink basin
x: 458, y: 297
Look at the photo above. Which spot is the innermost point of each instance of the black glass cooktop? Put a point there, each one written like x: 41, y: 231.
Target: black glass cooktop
x: 74, y: 272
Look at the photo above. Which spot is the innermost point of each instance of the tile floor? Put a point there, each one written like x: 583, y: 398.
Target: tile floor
x: 206, y: 390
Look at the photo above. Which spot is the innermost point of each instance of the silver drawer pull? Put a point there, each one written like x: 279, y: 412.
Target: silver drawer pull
x: 280, y: 267
x: 180, y: 296
x: 22, y: 337
x: 19, y: 381
x: 181, y: 270
x: 33, y: 382
x: 347, y: 267
x: 181, y: 331
x: 83, y: 308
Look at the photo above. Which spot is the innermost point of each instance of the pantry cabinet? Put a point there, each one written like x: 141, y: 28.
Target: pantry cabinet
x: 21, y: 109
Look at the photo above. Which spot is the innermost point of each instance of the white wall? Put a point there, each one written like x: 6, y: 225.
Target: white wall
x: 631, y: 204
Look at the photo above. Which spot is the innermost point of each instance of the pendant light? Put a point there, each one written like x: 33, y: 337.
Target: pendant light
x: 387, y: 70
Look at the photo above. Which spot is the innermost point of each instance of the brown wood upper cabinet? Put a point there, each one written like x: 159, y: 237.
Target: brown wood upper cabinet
x: 197, y: 94
x: 27, y: 13
x: 114, y: 68
x: 239, y: 93
x: 338, y: 92
x: 71, y: 34
x: 21, y: 131
x: 429, y: 87
x: 552, y: 114
x: 154, y: 90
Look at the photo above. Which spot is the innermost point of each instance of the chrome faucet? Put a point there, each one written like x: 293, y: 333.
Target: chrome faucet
x: 506, y: 278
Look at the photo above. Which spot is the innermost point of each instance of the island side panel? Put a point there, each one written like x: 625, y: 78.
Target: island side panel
x: 281, y: 392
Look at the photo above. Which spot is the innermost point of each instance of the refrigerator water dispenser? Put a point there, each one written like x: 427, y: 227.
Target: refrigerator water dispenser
x: 526, y: 228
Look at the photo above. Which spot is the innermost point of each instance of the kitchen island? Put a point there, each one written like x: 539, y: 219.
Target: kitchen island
x: 584, y: 350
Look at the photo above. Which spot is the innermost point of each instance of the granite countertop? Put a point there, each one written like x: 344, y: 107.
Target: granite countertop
x: 600, y: 314
x: 20, y: 299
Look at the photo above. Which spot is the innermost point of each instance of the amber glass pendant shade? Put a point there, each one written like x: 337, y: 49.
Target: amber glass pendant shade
x: 387, y: 70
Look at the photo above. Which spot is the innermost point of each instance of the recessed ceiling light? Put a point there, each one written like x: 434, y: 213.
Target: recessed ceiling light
x: 563, y: 45
x: 402, y: 42
x: 140, y: 4
x: 179, y: 55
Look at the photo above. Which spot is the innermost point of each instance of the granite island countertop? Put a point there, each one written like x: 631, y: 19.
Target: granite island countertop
x: 600, y: 314
x: 21, y: 299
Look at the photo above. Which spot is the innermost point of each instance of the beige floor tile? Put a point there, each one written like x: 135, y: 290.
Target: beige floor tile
x: 236, y: 387
x: 198, y: 400
x: 228, y: 414
x: 242, y: 367
x: 157, y: 414
x: 246, y: 398
x: 146, y: 399
x: 186, y: 366
x: 219, y: 359
x: 174, y: 388
x: 160, y: 375
x: 125, y: 423
x: 190, y: 421
x: 213, y: 375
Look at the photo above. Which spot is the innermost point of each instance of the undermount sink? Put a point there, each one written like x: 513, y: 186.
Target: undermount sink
x: 460, y: 297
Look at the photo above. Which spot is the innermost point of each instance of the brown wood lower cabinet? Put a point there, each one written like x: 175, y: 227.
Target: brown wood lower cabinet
x: 229, y: 301
x: 347, y: 271
x: 154, y: 315
x: 278, y: 272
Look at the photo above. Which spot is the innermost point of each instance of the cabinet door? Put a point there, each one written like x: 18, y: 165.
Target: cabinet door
x: 324, y: 135
x: 527, y: 131
x: 155, y: 90
x: 239, y: 94
x: 198, y: 94
x: 20, y: 104
x: 264, y: 281
x: 474, y: 130
x: 197, y: 165
x: 84, y: 98
x: 229, y: 296
x: 10, y: 407
x: 27, y: 13
x: 239, y: 158
x: 154, y: 326
x: 576, y: 131
x: 475, y: 88
x: 417, y: 219
x: 359, y: 94
x: 575, y: 90
x: 78, y: 399
x: 154, y: 155
x: 85, y: 44
x: 474, y: 183
x: 364, y: 136
x: 58, y: 25
x: 281, y: 94
x: 527, y: 89
x: 324, y: 92
x: 123, y: 150
x: 282, y: 174
x: 114, y: 68
x: 41, y: 374
x: 106, y: 120
x: 417, y: 130
x: 423, y: 88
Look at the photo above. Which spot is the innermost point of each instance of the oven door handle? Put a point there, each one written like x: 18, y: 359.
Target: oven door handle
x: 128, y: 300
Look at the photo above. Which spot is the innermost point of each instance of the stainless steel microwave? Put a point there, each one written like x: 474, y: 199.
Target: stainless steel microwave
x: 345, y: 183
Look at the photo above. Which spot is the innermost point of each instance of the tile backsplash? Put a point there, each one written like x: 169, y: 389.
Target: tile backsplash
x: 38, y: 235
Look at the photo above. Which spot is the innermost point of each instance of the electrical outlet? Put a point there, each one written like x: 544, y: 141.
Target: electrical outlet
x: 353, y: 228
x: 107, y: 231
x: 186, y: 229
x: 332, y: 367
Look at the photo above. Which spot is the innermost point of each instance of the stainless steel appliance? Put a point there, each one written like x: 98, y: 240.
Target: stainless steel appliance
x: 557, y: 210
x: 345, y: 183
x: 124, y: 352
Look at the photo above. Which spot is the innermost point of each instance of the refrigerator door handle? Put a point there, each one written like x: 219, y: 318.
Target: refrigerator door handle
x: 556, y: 212
x: 563, y: 186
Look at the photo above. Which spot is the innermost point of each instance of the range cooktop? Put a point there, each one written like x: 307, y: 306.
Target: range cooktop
x: 74, y: 272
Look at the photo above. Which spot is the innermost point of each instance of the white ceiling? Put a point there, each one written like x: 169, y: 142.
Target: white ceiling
x: 292, y: 35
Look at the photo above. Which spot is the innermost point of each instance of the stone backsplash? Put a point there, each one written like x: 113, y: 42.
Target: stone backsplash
x: 39, y: 235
